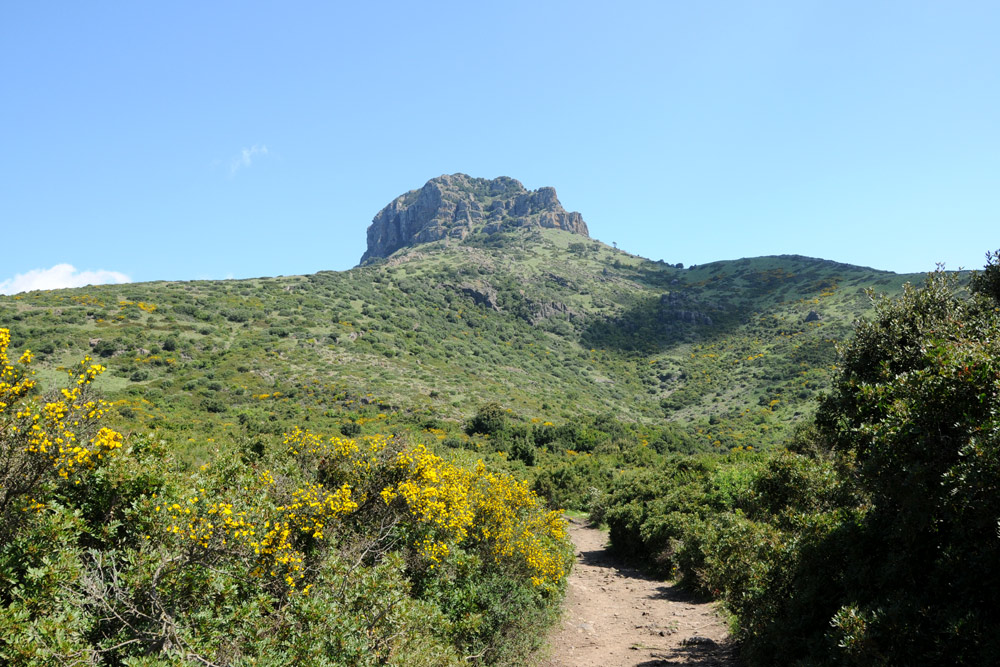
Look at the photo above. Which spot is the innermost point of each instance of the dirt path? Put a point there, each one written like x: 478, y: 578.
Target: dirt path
x: 616, y: 617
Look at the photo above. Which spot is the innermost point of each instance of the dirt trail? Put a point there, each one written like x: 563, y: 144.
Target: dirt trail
x: 616, y: 617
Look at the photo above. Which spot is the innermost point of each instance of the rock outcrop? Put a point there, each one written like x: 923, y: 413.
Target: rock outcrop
x: 482, y: 293
x: 457, y: 205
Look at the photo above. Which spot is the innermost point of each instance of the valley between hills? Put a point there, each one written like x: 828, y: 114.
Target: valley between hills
x: 370, y: 466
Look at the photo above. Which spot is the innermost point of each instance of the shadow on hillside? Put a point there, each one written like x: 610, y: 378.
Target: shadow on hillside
x: 655, y: 324
x: 713, y: 306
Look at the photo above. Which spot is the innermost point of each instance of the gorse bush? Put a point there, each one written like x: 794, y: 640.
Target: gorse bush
x: 47, y: 443
x: 443, y: 507
x: 309, y: 550
x: 55, y: 461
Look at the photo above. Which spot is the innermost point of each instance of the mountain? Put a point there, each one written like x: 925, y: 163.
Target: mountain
x: 503, y: 365
x: 452, y: 207
x: 471, y: 291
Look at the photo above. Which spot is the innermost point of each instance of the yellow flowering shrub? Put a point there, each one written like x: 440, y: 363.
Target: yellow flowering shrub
x: 272, y: 537
x: 511, y: 521
x: 41, y: 441
x: 445, y: 506
x: 362, y: 551
x: 436, y: 495
x: 14, y: 380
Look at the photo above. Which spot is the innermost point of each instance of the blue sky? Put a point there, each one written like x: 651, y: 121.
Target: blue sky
x: 189, y: 140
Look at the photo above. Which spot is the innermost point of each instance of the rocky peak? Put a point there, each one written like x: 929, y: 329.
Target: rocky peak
x: 455, y: 206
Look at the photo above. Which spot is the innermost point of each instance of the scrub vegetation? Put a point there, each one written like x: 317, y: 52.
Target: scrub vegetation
x: 368, y: 467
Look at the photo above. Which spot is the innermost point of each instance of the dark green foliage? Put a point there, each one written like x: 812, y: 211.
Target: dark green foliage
x: 576, y: 483
x: 105, y: 348
x: 490, y: 612
x: 576, y: 436
x: 350, y: 429
x: 647, y: 508
x: 987, y: 281
x: 490, y: 419
x: 522, y: 449
x: 214, y: 405
x: 873, y: 540
x: 916, y: 407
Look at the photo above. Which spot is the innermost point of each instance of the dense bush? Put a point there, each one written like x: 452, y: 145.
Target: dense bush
x: 576, y: 483
x: 490, y: 419
x: 916, y: 410
x: 873, y: 542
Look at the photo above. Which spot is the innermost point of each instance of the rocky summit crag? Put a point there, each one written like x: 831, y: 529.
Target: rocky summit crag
x: 457, y: 205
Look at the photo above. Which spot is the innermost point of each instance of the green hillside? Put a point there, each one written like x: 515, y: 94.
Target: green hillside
x: 547, y: 323
x: 371, y: 464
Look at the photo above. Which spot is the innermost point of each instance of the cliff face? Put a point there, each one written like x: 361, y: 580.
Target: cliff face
x: 454, y: 206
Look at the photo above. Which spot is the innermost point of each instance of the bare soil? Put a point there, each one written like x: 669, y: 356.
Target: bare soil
x: 617, y: 616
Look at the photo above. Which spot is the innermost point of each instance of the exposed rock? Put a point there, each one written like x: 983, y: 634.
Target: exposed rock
x: 546, y: 310
x: 455, y: 206
x: 559, y: 280
x: 482, y: 294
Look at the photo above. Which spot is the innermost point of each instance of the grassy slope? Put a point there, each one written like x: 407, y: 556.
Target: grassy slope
x: 577, y: 328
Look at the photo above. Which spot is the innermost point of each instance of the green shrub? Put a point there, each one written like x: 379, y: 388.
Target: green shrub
x: 574, y: 483
x: 875, y: 553
x: 490, y: 419
x: 350, y: 429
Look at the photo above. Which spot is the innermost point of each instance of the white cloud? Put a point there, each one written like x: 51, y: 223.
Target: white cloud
x: 246, y: 158
x: 58, y: 277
